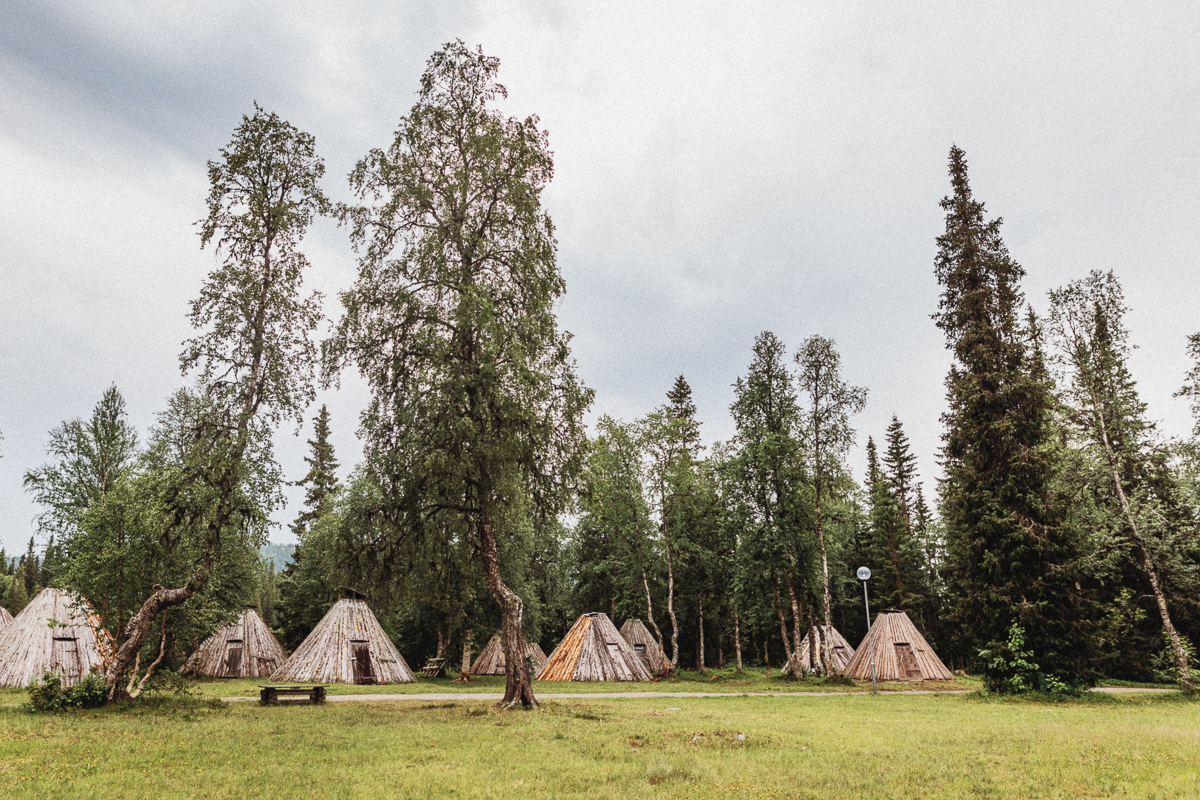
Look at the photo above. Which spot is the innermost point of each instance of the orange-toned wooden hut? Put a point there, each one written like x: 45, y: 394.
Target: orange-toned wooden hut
x: 840, y: 651
x: 347, y: 646
x: 901, y: 653
x: 594, y: 650
x: 54, y: 632
x: 645, y: 645
x: 491, y: 660
x: 245, y: 649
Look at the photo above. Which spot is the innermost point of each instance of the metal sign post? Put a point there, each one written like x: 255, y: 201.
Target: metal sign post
x: 864, y: 575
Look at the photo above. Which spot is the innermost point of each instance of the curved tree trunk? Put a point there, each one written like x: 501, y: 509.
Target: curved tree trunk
x: 650, y: 608
x: 518, y: 688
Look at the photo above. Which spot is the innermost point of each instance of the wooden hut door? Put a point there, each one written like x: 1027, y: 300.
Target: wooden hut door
x: 64, y: 657
x: 908, y: 662
x: 233, y: 658
x: 640, y: 649
x: 363, y: 673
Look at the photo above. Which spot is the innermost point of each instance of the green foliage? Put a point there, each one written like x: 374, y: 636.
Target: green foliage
x: 1010, y: 557
x: 1008, y: 668
x: 48, y: 695
x: 1163, y: 662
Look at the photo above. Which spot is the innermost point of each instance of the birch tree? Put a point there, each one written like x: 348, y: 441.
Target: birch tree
x: 475, y: 420
x: 1086, y: 322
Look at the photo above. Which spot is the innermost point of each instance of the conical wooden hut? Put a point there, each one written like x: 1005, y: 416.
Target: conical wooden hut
x: 5, y: 617
x: 645, y: 645
x: 245, y: 649
x: 594, y: 650
x: 54, y: 632
x: 491, y: 660
x: 347, y: 646
x: 901, y: 653
x: 840, y: 650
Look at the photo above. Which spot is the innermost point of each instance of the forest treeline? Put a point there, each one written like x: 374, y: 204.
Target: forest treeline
x: 1061, y: 544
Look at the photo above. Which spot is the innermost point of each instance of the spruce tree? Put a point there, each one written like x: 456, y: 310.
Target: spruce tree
x: 321, y: 481
x: 1012, y: 561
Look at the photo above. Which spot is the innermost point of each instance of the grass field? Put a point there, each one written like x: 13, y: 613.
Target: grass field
x: 854, y: 745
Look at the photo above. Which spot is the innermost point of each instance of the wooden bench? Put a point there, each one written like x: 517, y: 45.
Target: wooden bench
x: 433, y: 667
x: 269, y: 694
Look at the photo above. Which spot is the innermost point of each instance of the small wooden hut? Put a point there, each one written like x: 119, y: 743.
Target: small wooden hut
x: 840, y: 650
x: 593, y: 650
x: 491, y: 660
x: 901, y: 653
x: 347, y: 646
x: 54, y: 632
x: 245, y: 649
x: 5, y: 618
x: 645, y: 645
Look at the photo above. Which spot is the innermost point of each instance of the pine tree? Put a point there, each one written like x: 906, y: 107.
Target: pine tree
x: 1012, y: 562
x: 32, y: 570
x: 17, y: 597
x: 321, y: 481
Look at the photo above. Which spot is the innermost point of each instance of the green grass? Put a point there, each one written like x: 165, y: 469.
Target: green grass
x: 751, y: 680
x: 822, y: 747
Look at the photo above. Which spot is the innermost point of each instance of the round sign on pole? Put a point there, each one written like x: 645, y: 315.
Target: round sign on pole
x: 864, y: 573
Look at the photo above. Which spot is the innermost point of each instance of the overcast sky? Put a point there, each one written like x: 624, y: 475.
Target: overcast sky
x: 721, y: 169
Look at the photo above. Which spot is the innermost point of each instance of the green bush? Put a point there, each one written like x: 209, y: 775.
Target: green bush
x: 48, y: 695
x: 1166, y: 669
x: 1009, y: 669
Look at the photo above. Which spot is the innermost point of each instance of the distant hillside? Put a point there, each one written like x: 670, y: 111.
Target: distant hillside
x: 281, y: 554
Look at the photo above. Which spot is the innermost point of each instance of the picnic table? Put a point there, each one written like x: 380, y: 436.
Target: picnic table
x: 269, y: 693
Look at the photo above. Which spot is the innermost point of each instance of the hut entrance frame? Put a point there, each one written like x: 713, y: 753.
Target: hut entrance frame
x: 363, y: 673
x: 233, y: 656
x: 64, y: 656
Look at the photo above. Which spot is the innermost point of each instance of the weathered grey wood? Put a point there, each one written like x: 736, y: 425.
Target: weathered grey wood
x: 901, y: 653
x: 491, y: 660
x: 245, y: 649
x: 327, y: 654
x: 5, y: 618
x: 28, y: 645
x: 269, y: 694
x: 644, y: 645
x: 840, y: 651
x: 593, y: 650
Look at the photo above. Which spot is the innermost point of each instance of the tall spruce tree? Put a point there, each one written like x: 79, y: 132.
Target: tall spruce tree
x: 1011, y: 561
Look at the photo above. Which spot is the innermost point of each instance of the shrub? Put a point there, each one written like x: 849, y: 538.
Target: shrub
x: 48, y: 695
x: 1009, y: 669
x: 1166, y: 669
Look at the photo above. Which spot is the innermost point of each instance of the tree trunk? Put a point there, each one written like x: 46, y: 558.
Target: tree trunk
x: 466, y: 651
x: 825, y: 658
x: 671, y: 606
x: 783, y: 634
x: 650, y: 609
x: 518, y: 688
x: 700, y: 650
x: 441, y: 646
x: 139, y: 627
x: 737, y: 638
x: 797, y: 614
x: 1160, y: 598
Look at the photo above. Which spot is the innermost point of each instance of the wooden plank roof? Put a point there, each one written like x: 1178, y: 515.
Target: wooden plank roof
x: 645, y: 645
x: 901, y: 653
x: 840, y: 651
x: 593, y: 650
x: 245, y: 649
x: 327, y: 654
x: 491, y: 660
x: 55, y: 632
x: 5, y: 617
